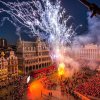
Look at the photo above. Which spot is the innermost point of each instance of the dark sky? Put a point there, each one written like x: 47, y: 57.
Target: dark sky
x: 73, y: 7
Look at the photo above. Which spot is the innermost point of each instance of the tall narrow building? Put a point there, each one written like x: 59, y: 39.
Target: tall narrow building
x: 12, y: 65
x: 3, y: 43
x: 3, y: 70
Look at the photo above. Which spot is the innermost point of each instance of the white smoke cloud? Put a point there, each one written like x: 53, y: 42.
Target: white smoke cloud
x: 72, y: 66
x: 93, y: 33
x: 91, y: 36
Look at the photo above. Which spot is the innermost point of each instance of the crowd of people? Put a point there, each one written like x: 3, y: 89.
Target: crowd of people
x: 15, y: 89
x: 68, y: 85
x: 49, y: 79
x: 43, y: 72
x: 89, y: 80
x: 48, y: 84
x: 3, y: 84
x: 91, y: 87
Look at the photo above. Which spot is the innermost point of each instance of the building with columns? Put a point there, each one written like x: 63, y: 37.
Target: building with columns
x: 87, y: 52
x: 32, y: 55
x: 86, y: 55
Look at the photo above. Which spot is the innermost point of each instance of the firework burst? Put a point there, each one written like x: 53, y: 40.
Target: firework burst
x: 43, y: 18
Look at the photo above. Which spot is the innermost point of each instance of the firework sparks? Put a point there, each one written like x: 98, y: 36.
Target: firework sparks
x: 61, y: 69
x: 43, y: 18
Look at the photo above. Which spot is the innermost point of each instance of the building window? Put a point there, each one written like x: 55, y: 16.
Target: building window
x: 30, y: 68
x: 39, y: 59
x: 36, y: 66
x: 39, y: 66
x: 33, y: 67
x: 26, y: 69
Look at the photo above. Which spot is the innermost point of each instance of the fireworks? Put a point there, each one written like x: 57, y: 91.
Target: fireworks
x: 61, y: 69
x: 43, y: 18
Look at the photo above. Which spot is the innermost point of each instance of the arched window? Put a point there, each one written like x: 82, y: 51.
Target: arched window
x: 36, y: 66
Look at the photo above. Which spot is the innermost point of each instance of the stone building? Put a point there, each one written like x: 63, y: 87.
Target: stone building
x: 3, y: 69
x: 33, y: 55
x: 12, y: 65
x: 8, y: 67
x: 87, y: 52
x: 86, y: 55
x: 3, y: 43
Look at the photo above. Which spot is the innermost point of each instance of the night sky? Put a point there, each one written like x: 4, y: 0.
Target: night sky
x: 73, y: 7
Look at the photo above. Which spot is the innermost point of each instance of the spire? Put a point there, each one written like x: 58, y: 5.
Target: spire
x: 20, y: 38
x: 38, y: 39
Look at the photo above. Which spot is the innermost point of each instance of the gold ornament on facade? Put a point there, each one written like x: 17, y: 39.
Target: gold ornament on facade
x: 2, y: 54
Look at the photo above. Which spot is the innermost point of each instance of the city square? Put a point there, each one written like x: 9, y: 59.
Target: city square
x: 52, y: 53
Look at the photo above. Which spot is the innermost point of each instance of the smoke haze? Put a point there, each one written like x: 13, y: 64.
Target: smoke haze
x: 93, y: 33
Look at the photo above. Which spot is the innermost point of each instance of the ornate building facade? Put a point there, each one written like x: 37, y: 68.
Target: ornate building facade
x: 12, y: 65
x: 3, y: 69
x: 8, y: 67
x: 87, y: 55
x: 87, y: 52
x: 33, y: 55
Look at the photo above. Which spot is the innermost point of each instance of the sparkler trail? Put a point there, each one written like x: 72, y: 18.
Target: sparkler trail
x: 43, y: 19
